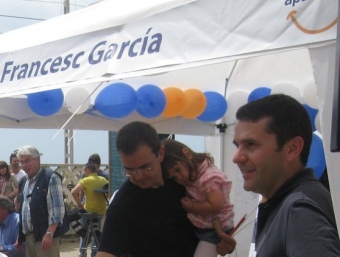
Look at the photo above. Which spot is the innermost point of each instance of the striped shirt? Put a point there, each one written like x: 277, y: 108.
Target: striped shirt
x: 55, y: 202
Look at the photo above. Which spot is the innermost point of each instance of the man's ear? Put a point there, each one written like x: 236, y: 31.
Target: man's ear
x: 294, y: 149
x: 187, y: 153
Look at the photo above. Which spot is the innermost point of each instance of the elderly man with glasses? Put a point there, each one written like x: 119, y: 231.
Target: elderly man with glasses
x: 42, y: 208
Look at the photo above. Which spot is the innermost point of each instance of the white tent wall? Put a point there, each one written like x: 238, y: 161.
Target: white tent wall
x: 323, y: 61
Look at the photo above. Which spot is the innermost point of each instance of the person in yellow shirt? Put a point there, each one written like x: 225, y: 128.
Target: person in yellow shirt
x: 94, y: 202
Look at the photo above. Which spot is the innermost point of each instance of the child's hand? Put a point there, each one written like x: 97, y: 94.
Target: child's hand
x: 226, y: 245
x: 187, y: 204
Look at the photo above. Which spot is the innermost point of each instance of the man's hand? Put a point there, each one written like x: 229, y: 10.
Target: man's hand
x: 226, y: 245
x: 46, y: 242
x: 18, y: 246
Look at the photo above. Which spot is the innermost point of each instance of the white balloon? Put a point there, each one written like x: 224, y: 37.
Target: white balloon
x: 310, y: 95
x: 235, y: 100
x: 287, y: 89
x: 75, y: 98
x: 317, y: 122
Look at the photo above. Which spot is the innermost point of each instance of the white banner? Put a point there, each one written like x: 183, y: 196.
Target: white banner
x: 186, y: 34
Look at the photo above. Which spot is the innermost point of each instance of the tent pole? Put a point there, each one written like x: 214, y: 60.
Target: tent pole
x: 68, y: 133
x: 335, y: 134
x: 223, y: 126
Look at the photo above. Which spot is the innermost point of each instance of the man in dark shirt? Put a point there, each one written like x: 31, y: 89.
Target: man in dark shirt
x: 273, y: 136
x: 145, y: 218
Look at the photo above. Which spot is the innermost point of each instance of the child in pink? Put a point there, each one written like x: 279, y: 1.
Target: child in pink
x: 207, y: 189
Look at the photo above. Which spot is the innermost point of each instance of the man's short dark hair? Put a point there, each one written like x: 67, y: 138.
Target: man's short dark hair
x: 287, y: 119
x: 14, y: 154
x: 95, y: 158
x: 6, y: 203
x: 136, y: 134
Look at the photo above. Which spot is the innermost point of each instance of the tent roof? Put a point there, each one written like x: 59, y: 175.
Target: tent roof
x: 96, y: 17
x: 117, y: 39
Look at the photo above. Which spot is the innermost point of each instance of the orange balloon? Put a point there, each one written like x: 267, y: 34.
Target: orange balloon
x: 175, y: 102
x: 196, y: 103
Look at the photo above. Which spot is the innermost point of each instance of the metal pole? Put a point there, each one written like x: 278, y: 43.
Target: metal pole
x: 68, y: 133
x: 68, y: 146
x: 66, y: 6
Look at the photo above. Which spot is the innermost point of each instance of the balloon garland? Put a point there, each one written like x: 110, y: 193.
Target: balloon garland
x: 119, y: 100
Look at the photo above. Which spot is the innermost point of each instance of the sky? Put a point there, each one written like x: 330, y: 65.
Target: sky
x: 18, y: 13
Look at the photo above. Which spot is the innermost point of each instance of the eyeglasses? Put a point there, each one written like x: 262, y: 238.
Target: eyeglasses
x: 27, y: 161
x: 134, y: 172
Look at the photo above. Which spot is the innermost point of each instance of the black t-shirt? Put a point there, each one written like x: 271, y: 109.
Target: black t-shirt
x: 148, y: 223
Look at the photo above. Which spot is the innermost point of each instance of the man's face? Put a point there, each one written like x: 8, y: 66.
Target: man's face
x: 261, y: 164
x: 15, y: 162
x: 144, y: 167
x: 30, y: 165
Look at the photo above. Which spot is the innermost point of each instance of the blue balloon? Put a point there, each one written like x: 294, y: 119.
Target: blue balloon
x: 151, y: 101
x: 312, y: 114
x: 216, y: 107
x: 258, y: 93
x: 316, y: 158
x: 46, y: 103
x: 116, y: 100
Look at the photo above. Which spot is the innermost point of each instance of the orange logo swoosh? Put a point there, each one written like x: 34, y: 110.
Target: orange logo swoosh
x: 291, y: 16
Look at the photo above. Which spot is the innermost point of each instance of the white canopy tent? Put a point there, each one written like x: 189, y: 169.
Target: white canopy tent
x: 231, y: 47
